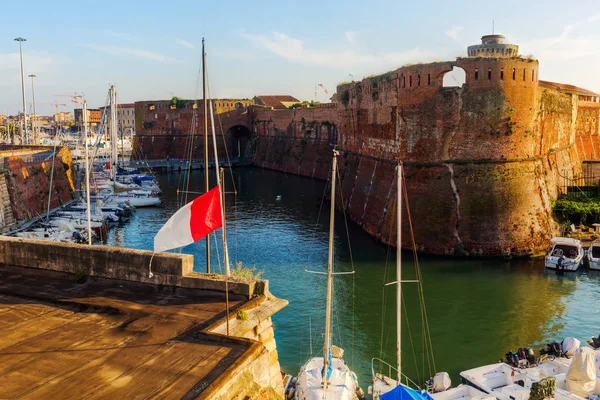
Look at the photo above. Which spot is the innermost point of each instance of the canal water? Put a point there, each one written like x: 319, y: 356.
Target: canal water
x: 477, y: 309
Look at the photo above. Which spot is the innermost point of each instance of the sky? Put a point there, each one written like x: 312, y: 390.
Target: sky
x: 152, y: 49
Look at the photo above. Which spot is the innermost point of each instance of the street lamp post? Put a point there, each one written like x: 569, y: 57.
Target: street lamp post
x: 24, y: 126
x: 33, y: 119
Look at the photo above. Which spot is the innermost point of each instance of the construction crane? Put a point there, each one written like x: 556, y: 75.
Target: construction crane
x: 322, y: 87
x: 75, y: 97
x: 56, y: 104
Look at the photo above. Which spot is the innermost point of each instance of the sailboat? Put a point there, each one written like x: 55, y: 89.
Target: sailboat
x: 328, y: 377
x: 385, y: 387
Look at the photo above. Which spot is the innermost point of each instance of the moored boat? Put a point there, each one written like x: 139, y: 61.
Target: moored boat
x: 566, y: 254
x: 593, y: 255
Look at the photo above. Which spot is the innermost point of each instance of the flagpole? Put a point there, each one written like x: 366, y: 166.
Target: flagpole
x: 207, y: 185
x: 225, y: 251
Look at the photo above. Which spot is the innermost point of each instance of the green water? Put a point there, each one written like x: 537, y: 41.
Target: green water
x: 477, y: 309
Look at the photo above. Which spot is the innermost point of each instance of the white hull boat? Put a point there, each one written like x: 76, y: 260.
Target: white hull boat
x: 136, y: 200
x: 593, y: 256
x: 566, y: 254
x: 462, y: 392
x: 342, y: 384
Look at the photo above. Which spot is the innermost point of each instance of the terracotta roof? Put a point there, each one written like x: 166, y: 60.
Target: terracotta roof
x: 563, y: 87
x: 276, y: 101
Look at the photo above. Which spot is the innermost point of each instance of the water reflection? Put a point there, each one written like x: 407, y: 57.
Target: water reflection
x: 477, y: 309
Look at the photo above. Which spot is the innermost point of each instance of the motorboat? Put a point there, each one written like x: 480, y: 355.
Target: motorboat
x: 566, y: 254
x: 593, y: 255
x: 462, y: 392
x: 135, y: 198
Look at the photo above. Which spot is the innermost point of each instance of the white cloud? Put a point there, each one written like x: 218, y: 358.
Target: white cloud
x: 128, y: 51
x: 564, y: 46
x: 33, y: 62
x: 185, y: 43
x: 454, y: 32
x: 594, y: 18
x: 294, y: 50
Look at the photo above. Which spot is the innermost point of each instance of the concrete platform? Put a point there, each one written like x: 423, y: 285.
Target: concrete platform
x: 108, y: 338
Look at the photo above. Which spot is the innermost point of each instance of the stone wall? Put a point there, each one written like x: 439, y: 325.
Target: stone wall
x: 28, y: 181
x: 482, y: 161
x: 588, y: 130
x: 164, y: 132
x: 7, y: 219
x: 296, y: 141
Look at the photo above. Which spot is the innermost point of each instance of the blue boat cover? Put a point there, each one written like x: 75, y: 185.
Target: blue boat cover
x: 401, y: 392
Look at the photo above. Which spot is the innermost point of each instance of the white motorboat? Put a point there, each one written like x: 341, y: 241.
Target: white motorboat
x: 139, y: 199
x: 510, y: 383
x: 593, y: 255
x: 328, y: 377
x: 566, y: 254
x: 462, y: 392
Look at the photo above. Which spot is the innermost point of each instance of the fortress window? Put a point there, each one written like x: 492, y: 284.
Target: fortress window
x: 410, y: 81
x: 428, y: 79
x: 419, y: 80
x: 524, y: 72
x: 501, y: 74
x: 403, y: 81
x: 514, y: 73
x: 489, y: 74
x: 476, y: 73
x: 533, y: 75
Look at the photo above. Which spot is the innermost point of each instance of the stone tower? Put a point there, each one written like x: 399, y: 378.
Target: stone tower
x: 493, y: 46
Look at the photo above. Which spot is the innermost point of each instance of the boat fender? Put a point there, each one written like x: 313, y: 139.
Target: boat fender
x: 360, y: 394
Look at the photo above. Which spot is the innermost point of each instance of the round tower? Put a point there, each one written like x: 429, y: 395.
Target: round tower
x: 493, y: 46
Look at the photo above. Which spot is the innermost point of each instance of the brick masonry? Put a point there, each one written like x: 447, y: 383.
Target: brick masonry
x: 482, y: 161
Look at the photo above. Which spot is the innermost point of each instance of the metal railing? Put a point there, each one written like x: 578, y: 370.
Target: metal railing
x: 408, y: 382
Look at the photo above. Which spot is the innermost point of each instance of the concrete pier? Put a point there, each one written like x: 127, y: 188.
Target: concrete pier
x: 79, y: 321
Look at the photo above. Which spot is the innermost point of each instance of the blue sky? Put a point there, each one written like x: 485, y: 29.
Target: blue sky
x: 151, y: 49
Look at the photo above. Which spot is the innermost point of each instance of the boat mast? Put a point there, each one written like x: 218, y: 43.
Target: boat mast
x: 113, y: 131
x: 206, y: 182
x: 87, y: 172
x: 399, y: 274
x: 329, y: 273
x: 222, y: 197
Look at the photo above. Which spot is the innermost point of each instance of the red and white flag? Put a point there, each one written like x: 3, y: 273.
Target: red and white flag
x: 191, y: 222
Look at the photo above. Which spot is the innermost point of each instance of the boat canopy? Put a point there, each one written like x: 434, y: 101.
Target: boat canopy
x: 402, y: 392
x: 567, y: 241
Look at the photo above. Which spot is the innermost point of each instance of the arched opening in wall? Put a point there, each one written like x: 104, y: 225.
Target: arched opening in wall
x: 241, y: 135
x: 455, y: 78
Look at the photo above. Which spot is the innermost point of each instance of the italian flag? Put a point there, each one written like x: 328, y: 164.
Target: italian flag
x: 191, y: 222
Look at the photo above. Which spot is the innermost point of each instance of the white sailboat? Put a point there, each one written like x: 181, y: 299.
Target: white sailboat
x: 328, y: 377
x: 386, y: 386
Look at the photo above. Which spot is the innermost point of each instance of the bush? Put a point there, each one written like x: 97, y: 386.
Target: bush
x: 249, y: 273
x: 569, y: 205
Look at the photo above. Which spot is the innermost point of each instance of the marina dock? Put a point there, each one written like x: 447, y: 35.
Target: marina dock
x: 115, y: 334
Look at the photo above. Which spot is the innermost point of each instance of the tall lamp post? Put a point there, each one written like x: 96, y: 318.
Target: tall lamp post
x: 33, y: 119
x: 24, y: 126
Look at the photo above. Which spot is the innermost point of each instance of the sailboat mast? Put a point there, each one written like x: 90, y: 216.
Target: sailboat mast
x: 222, y: 186
x: 113, y: 131
x: 329, y: 273
x: 399, y: 275
x: 206, y: 182
x: 87, y: 172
